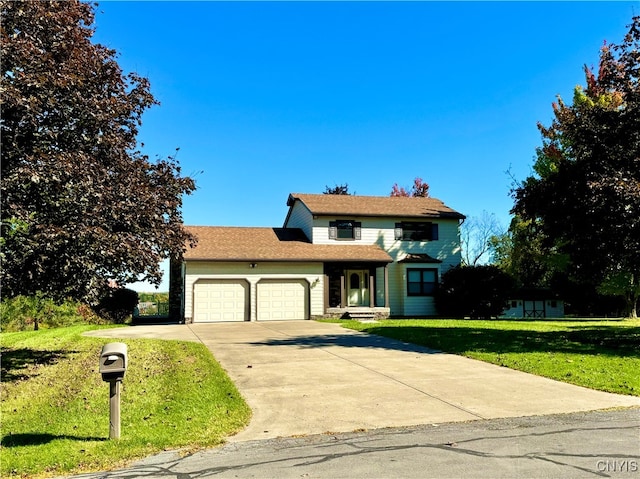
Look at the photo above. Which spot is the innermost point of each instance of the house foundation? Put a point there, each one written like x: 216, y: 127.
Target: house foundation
x: 357, y: 312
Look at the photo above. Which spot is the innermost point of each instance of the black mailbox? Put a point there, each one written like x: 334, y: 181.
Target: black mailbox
x: 113, y: 361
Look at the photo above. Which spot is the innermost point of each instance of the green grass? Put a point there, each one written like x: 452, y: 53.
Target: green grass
x: 55, y: 407
x: 603, y: 355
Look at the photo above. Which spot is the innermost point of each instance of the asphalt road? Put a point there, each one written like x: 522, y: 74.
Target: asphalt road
x: 577, y: 445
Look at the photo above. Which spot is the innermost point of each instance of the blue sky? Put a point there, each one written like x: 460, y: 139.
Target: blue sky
x: 268, y: 98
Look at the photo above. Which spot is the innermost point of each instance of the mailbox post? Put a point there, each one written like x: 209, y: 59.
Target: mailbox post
x: 113, y: 364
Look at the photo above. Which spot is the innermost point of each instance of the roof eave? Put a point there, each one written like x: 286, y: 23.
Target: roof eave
x: 292, y: 260
x: 451, y: 216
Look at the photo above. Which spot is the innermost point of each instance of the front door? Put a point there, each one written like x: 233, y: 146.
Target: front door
x: 358, y: 288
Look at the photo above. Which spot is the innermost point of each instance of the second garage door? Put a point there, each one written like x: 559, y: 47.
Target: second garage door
x: 282, y: 300
x: 220, y: 300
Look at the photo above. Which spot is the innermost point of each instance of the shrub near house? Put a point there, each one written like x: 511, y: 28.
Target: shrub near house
x: 474, y: 291
x: 24, y: 313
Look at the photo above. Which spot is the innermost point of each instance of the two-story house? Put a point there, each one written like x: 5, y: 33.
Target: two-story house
x: 335, y: 255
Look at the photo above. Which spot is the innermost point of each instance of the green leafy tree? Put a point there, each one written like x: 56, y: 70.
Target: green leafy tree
x: 22, y: 313
x: 521, y: 252
x: 81, y: 203
x: 585, y: 194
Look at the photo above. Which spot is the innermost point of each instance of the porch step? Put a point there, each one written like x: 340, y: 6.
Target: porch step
x: 362, y: 315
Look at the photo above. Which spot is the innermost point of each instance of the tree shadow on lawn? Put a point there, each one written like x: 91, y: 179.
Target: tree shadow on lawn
x: 18, y: 364
x: 38, y: 439
x: 624, y: 342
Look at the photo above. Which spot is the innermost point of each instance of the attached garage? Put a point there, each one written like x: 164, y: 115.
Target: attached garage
x: 220, y: 300
x: 280, y: 300
x: 260, y: 274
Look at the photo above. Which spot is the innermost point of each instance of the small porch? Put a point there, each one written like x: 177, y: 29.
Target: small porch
x: 358, y: 290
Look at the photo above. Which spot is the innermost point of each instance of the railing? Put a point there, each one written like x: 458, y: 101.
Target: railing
x: 153, y: 309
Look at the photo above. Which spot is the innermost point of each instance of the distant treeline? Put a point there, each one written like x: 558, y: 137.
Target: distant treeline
x: 153, y: 297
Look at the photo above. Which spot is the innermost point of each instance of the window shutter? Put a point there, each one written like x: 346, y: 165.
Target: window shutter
x: 398, y: 231
x: 357, y: 231
x: 333, y: 230
x: 434, y: 231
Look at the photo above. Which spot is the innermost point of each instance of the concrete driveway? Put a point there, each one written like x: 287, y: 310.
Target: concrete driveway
x: 305, y: 377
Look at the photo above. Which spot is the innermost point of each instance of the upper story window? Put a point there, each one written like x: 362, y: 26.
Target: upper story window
x: 345, y: 230
x: 410, y: 231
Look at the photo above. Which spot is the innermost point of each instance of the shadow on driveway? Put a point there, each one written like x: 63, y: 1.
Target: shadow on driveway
x: 371, y: 341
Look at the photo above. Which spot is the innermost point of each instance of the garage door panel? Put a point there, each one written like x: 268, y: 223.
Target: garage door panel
x: 282, y: 300
x: 220, y: 300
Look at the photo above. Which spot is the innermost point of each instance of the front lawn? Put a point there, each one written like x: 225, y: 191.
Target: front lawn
x: 602, y: 355
x: 55, y: 407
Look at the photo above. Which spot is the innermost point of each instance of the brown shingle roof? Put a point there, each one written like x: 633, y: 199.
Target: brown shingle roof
x: 397, y: 206
x: 218, y: 243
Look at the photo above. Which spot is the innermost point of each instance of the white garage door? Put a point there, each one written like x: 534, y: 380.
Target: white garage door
x: 220, y: 300
x: 282, y: 300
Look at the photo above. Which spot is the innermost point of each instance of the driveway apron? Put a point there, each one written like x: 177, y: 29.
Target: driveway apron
x: 305, y: 377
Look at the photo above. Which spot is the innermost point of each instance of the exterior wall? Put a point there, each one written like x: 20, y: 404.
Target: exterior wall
x: 311, y: 272
x: 557, y: 312
x: 396, y: 290
x: 300, y: 217
x: 381, y: 231
x: 416, y: 305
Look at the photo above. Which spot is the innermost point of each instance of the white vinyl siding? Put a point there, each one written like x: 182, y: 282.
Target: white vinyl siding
x: 300, y: 217
x: 381, y: 231
x: 396, y: 289
x: 419, y: 306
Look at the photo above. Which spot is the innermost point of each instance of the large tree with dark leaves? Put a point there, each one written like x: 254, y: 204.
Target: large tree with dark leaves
x: 80, y: 203
x: 585, y: 195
